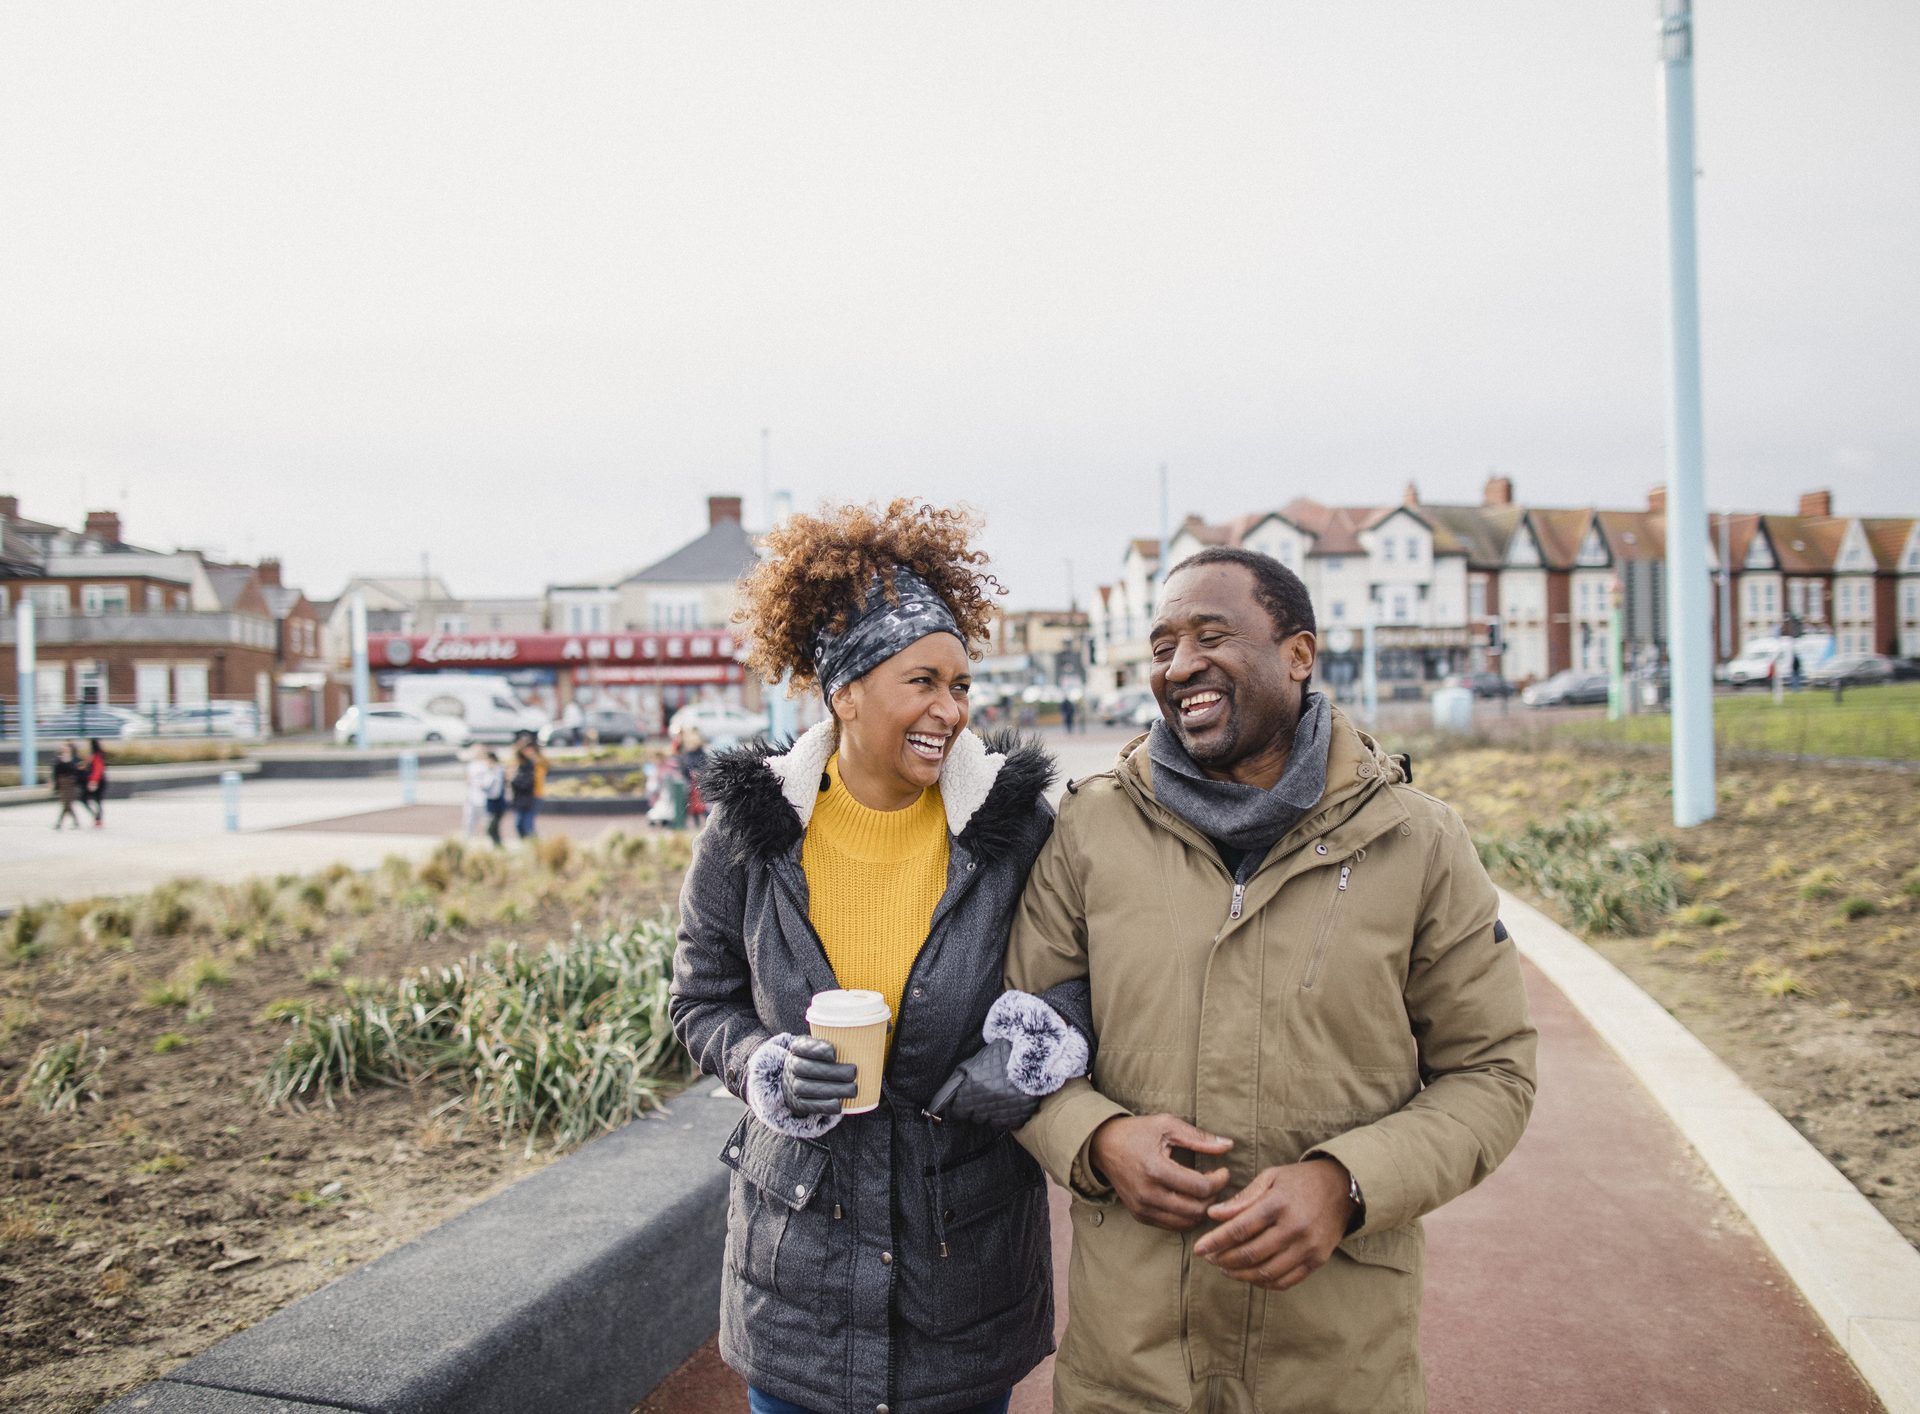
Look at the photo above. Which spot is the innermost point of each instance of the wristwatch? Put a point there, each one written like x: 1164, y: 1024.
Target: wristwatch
x: 1359, y: 1204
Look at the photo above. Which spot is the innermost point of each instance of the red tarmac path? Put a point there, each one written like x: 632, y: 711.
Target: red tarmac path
x: 1601, y: 1270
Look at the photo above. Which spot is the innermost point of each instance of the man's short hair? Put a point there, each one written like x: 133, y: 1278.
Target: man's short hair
x: 1280, y: 591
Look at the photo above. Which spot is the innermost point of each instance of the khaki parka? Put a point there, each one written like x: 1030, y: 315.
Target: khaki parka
x: 1354, y: 1000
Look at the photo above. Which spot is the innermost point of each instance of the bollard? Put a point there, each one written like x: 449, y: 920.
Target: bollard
x: 409, y: 776
x: 230, y: 798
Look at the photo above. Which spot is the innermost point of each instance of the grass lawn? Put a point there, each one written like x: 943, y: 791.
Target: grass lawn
x: 1878, y: 722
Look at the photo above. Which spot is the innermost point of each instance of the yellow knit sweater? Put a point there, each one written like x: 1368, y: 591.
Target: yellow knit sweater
x: 874, y: 878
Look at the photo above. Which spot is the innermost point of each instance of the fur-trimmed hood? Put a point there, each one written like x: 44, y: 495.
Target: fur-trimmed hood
x: 990, y: 787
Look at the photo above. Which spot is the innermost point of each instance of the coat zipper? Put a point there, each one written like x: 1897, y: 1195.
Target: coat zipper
x: 1239, y: 898
x: 1326, y: 922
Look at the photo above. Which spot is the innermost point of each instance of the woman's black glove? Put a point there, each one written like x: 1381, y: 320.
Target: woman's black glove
x: 981, y: 1090
x: 814, y: 1083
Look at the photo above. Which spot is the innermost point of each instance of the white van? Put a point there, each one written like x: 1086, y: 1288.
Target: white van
x: 486, y: 704
x: 1761, y: 658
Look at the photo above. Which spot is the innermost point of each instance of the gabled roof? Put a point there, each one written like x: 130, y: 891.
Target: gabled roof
x: 1559, y: 531
x: 1634, y: 535
x: 1887, y: 535
x: 1147, y: 547
x: 720, y: 556
x: 229, y: 583
x: 280, y: 600
x: 1480, y: 532
x: 1797, y: 547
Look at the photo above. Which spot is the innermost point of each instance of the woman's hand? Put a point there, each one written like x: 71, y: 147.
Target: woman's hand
x: 814, y: 1082
x: 986, y: 1094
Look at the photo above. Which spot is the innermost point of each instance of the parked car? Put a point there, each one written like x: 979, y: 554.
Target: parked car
x: 1906, y: 669
x: 72, y: 723
x: 1571, y: 688
x: 1482, y: 684
x: 484, y: 701
x: 607, y: 725
x: 1119, y: 707
x: 1760, y: 658
x: 720, y: 724
x: 1852, y: 670
x: 388, y: 725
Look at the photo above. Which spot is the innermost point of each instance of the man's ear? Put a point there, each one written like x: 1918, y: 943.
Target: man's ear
x: 1303, y: 650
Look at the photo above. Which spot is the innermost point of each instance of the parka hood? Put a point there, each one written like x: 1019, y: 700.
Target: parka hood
x: 989, y: 786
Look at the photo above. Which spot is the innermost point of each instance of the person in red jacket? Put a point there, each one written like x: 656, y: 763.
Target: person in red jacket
x: 93, y: 783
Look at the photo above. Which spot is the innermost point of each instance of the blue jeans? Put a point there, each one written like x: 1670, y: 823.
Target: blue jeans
x: 523, y: 820
x: 759, y: 1403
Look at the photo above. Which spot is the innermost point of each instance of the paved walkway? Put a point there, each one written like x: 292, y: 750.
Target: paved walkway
x: 286, y: 826
x: 1601, y: 1269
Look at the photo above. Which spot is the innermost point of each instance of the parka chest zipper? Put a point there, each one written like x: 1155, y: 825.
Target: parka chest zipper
x: 1326, y: 920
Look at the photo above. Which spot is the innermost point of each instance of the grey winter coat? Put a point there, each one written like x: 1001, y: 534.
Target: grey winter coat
x: 894, y: 1262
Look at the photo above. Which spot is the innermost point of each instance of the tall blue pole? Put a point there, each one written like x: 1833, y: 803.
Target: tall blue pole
x: 362, y: 678
x: 25, y: 651
x: 1689, y: 652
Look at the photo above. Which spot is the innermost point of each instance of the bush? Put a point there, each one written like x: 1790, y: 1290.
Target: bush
x: 1607, y: 886
x: 1858, y: 906
x: 63, y: 1074
x: 566, y: 1042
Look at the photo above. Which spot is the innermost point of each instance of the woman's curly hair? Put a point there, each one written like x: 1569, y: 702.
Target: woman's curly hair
x: 818, y: 569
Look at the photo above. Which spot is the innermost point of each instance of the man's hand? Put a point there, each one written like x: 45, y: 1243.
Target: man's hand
x: 1136, y: 1156
x: 1282, y: 1227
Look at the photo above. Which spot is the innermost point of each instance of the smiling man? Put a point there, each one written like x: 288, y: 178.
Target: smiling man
x: 1312, y: 1029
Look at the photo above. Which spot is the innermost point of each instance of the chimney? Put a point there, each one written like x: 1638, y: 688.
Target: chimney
x: 104, y: 525
x: 1412, y: 496
x: 9, y: 508
x: 1816, y: 503
x: 268, y: 573
x: 721, y: 508
x: 1499, y: 491
x: 1657, y: 501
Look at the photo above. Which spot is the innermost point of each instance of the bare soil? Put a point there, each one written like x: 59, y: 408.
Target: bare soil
x: 1797, y: 955
x: 174, y: 1209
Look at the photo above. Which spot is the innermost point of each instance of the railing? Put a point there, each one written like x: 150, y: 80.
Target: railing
x: 125, y: 720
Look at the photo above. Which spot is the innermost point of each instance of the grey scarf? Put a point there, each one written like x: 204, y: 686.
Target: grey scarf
x: 1245, y: 819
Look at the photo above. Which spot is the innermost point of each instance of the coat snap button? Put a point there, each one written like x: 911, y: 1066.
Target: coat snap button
x: 879, y: 1409
x: 1320, y: 849
x: 1097, y: 1218
x: 733, y: 1151
x: 886, y: 1259
x: 919, y: 991
x: 799, y: 1190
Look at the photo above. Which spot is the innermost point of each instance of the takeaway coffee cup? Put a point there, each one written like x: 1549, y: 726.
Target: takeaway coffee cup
x: 856, y: 1022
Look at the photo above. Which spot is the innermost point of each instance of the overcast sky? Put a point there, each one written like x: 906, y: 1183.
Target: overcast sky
x: 519, y: 285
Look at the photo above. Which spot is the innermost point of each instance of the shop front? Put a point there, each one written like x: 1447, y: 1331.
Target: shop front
x: 651, y: 675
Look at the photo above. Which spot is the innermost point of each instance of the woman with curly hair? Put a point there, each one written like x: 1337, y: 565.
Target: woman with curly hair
x: 896, y: 1259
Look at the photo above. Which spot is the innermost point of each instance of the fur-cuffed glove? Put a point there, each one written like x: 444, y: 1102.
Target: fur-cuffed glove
x: 795, y: 1086
x: 1031, y: 1051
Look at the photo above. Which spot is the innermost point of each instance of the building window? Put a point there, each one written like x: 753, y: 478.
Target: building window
x: 670, y: 611
x: 190, y: 684
x: 1339, y: 608
x: 4, y: 606
x: 98, y: 599
x: 1476, y: 598
x: 1413, y: 548
x: 1334, y: 564
x: 150, y: 682
x: 1816, y: 600
x: 90, y: 683
x: 450, y: 623
x: 156, y: 599
x: 50, y: 601
x: 1386, y: 547
x: 180, y: 600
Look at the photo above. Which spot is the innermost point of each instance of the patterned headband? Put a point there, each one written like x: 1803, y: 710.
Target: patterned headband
x: 881, y: 629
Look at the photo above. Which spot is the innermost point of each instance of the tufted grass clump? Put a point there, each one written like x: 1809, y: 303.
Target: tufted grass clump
x: 565, y: 1042
x: 1858, y: 906
x: 1607, y: 885
x: 62, y: 1075
x: 1821, y: 883
x: 1702, y: 915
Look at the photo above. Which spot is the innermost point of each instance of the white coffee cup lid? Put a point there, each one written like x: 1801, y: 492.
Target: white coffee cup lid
x: 847, y: 1008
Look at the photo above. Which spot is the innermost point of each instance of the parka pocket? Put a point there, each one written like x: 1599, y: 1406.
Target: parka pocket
x: 776, y: 1180
x: 992, y: 1207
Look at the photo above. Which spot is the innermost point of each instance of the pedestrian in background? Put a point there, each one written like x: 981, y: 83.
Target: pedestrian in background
x: 66, y: 784
x: 496, y: 795
x: 529, y: 774
x: 93, y: 786
x: 483, y: 773
x: 693, y: 761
